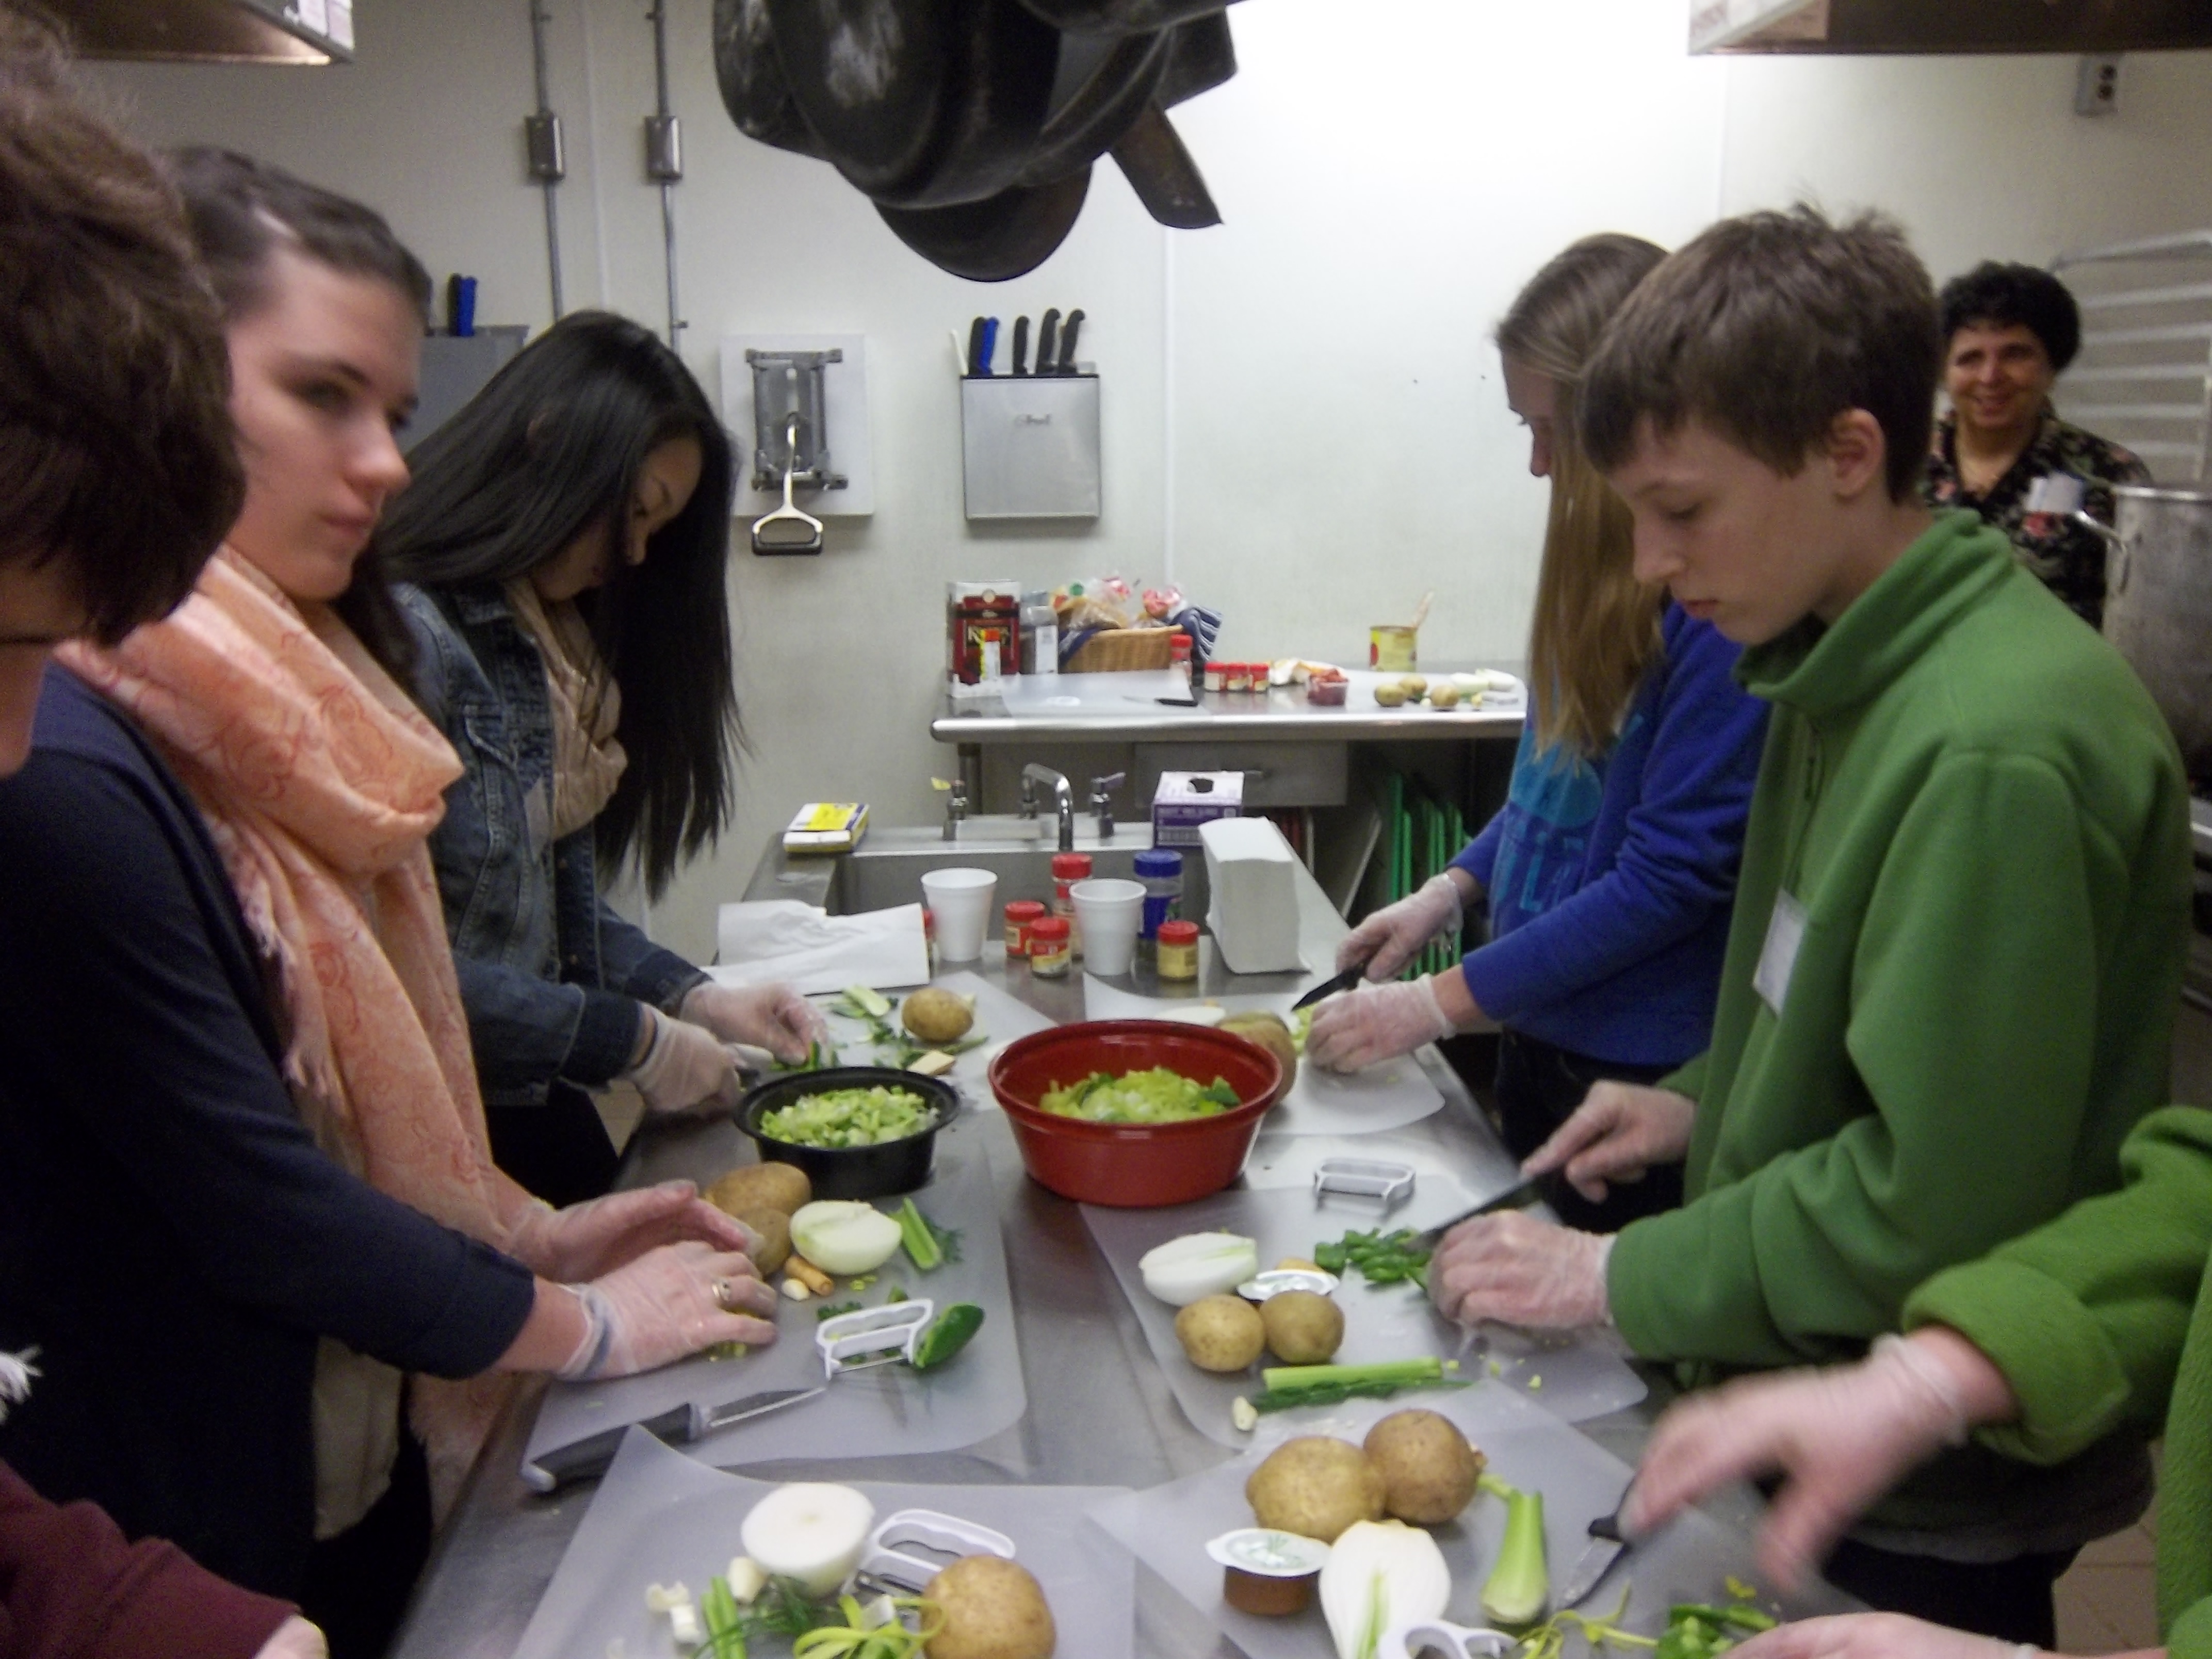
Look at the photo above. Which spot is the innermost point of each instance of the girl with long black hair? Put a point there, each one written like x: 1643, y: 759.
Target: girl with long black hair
x: 563, y: 545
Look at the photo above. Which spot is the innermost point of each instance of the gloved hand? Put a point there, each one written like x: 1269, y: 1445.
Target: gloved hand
x: 1620, y: 1131
x: 1840, y: 1436
x: 1876, y: 1636
x: 1522, y: 1271
x: 586, y: 1240
x: 1391, y: 937
x: 1375, y: 1022
x: 669, y: 1303
x: 771, y: 1017
x: 684, y: 1065
x: 295, y: 1638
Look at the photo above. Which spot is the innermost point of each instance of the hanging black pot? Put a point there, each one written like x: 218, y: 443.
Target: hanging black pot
x: 1103, y: 83
x: 1120, y: 16
x: 1159, y: 169
x: 1202, y: 56
x: 751, y: 75
x: 995, y: 241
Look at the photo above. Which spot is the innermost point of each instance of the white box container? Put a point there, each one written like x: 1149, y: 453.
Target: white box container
x: 1253, y: 876
x: 1184, y: 802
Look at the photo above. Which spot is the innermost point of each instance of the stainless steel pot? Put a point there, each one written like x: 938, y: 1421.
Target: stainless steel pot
x: 2158, y: 606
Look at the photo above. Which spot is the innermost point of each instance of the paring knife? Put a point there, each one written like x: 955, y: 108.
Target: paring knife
x: 1048, y: 335
x: 1067, y: 342
x: 1519, y: 1195
x: 1021, y: 364
x: 1605, y: 1547
x: 1328, y: 987
x: 589, y: 1457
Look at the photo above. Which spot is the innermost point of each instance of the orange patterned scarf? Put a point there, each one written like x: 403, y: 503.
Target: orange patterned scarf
x: 321, y: 783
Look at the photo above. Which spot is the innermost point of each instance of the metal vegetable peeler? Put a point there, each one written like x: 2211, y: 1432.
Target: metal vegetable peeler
x: 873, y: 1336
x: 943, y: 1535
x: 1364, y: 1177
x: 1434, y: 1635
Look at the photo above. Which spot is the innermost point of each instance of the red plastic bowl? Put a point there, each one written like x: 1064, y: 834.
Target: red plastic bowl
x: 1134, y: 1166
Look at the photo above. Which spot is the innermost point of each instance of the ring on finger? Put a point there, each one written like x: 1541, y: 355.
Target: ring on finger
x: 723, y: 1289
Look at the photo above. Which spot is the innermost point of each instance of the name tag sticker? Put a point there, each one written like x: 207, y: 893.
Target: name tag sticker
x: 1778, y: 958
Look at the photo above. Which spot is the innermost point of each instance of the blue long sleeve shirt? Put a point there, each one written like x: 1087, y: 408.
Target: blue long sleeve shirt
x: 1610, y: 882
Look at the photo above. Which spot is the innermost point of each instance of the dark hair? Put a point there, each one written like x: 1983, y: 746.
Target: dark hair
x: 242, y: 212
x: 1996, y: 295
x: 117, y: 452
x: 551, y: 451
x: 1766, y: 328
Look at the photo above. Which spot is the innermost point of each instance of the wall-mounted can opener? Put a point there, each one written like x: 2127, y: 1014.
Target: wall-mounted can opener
x: 873, y: 1336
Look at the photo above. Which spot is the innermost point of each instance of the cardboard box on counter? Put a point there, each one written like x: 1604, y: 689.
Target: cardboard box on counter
x: 1185, y: 800
x: 827, y: 827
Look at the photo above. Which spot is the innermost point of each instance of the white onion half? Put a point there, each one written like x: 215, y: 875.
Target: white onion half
x: 809, y: 1532
x: 844, y: 1236
x: 1197, y: 1265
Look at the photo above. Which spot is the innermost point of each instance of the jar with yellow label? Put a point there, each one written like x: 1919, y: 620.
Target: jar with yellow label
x: 1050, y: 956
x: 1178, y: 950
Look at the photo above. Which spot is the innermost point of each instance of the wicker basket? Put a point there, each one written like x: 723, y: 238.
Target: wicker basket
x: 1123, y: 650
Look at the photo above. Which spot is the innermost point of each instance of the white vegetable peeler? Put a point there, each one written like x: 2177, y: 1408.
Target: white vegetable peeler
x: 1364, y: 1177
x: 1456, y: 1641
x: 873, y: 1336
x: 934, y: 1531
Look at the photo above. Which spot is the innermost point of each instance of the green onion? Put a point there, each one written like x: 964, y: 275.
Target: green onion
x: 1401, y: 1372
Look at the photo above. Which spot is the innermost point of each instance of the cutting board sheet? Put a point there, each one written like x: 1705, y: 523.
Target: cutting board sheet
x: 1000, y: 1016
x: 659, y: 1517
x: 1387, y: 1096
x: 1574, y: 1375
x: 1167, y: 1527
x: 888, y: 1411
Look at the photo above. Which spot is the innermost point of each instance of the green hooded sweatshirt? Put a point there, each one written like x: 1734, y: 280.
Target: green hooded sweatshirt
x: 1984, y: 821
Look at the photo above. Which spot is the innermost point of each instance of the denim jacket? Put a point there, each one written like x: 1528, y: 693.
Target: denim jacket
x: 551, y: 977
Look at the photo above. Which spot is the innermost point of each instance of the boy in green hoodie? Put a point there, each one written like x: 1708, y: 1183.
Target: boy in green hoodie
x: 1963, y: 908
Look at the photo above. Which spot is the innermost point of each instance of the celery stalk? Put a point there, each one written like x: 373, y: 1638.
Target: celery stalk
x: 1519, y: 1583
x: 1401, y: 1372
x: 920, y: 1241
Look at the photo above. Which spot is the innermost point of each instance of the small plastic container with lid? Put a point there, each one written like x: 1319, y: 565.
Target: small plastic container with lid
x: 1021, y: 915
x: 1049, y: 954
x: 1178, y: 950
x: 1161, y: 871
x: 1067, y: 869
x: 1217, y: 676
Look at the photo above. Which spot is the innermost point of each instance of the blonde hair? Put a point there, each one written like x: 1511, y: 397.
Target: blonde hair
x: 1596, y: 628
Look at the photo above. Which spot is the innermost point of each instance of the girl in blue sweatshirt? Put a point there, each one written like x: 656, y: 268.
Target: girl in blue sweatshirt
x: 1610, y: 871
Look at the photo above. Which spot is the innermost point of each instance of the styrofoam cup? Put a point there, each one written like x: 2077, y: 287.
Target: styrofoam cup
x: 960, y: 904
x: 1111, y: 912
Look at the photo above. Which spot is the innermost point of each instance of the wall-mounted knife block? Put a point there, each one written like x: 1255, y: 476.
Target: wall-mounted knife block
x: 1030, y: 443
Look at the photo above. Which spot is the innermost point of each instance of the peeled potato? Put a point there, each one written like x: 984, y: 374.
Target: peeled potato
x: 1221, y: 1332
x: 992, y: 1610
x: 1428, y: 1468
x: 1315, y: 1486
x: 1303, y: 1328
x: 936, y: 1015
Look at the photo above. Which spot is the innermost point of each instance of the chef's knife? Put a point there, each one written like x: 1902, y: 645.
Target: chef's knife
x: 1521, y: 1194
x: 1605, y: 1547
x: 589, y: 1457
x: 1068, y: 342
x: 1328, y: 987
x: 990, y: 342
x: 976, y: 347
x: 1021, y: 364
x: 1048, y: 335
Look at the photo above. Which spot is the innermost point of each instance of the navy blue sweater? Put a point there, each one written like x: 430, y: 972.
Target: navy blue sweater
x: 171, y: 1238
x: 1611, y: 885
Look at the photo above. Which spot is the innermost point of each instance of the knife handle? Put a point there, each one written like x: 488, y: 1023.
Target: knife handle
x: 1021, y: 364
x: 1607, y: 1527
x: 1047, y: 337
x: 587, y: 1459
x: 976, y: 347
x: 1067, y: 341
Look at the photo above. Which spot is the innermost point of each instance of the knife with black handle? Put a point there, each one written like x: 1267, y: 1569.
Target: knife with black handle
x: 1021, y: 345
x: 1047, y: 332
x: 588, y: 1458
x: 1067, y: 342
x: 990, y: 344
x: 975, y: 364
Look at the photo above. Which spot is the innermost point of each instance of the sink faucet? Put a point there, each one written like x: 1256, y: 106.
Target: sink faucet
x: 1102, y: 801
x: 955, y: 803
x: 1063, y: 800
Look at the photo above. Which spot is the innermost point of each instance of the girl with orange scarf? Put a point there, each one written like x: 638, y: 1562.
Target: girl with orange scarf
x: 234, y: 1014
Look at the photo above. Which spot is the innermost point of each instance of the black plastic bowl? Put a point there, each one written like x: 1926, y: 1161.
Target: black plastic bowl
x: 890, y: 1166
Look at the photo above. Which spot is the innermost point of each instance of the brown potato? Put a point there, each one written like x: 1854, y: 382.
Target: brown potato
x: 1303, y: 1328
x: 1270, y: 1033
x: 1428, y: 1468
x: 1221, y: 1332
x: 1315, y: 1486
x: 762, y: 1186
x: 992, y: 1609
x: 937, y: 1016
x: 1389, y: 695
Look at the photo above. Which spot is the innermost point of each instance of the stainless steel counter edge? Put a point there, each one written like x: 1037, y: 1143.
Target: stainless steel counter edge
x: 1100, y: 1410
x: 1283, y: 716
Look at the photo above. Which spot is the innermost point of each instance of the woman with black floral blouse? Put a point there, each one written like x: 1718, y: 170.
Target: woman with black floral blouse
x: 2009, y: 332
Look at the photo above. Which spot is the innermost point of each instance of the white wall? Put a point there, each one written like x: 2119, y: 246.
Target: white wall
x: 1303, y: 420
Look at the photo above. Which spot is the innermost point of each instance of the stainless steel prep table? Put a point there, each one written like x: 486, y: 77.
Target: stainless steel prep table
x: 1099, y: 1409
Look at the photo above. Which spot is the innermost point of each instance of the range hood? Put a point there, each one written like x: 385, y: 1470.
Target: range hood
x: 302, y: 32
x: 1840, y: 27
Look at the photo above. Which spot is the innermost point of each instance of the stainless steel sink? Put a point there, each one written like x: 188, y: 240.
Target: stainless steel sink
x: 888, y: 868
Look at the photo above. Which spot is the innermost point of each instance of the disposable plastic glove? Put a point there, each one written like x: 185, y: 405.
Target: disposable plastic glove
x: 295, y: 1638
x: 586, y: 1240
x: 1877, y: 1636
x: 1376, y: 1023
x: 1620, y: 1131
x: 1841, y: 1437
x: 771, y: 1017
x: 684, y: 1067
x: 1519, y: 1270
x: 1393, y: 935
x: 669, y: 1303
